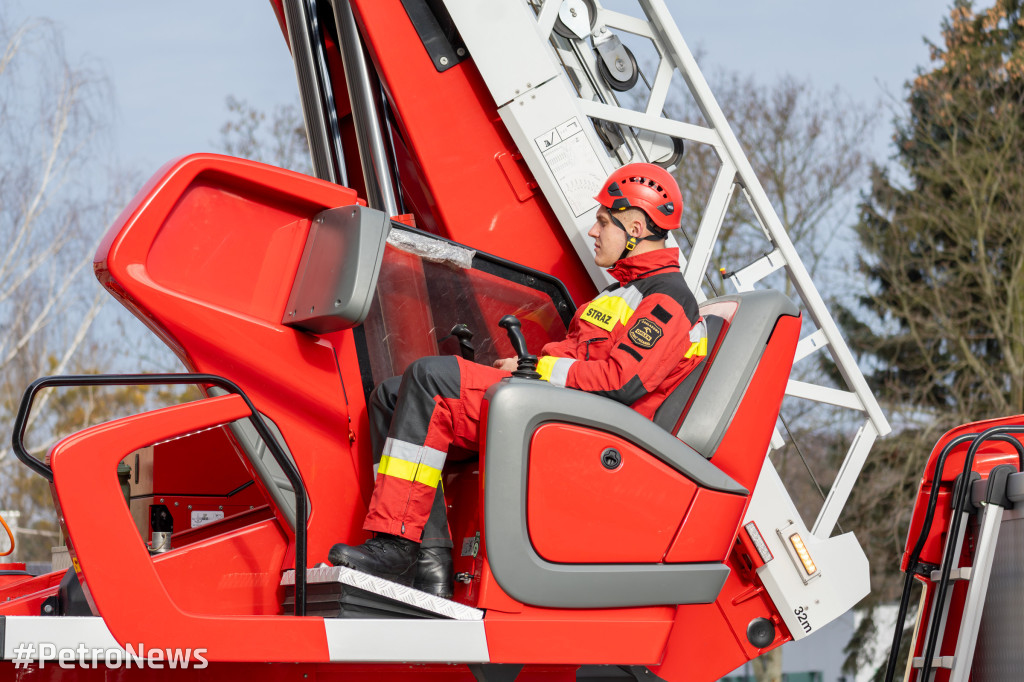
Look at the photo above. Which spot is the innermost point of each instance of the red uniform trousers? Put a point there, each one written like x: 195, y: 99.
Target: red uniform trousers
x: 435, y: 405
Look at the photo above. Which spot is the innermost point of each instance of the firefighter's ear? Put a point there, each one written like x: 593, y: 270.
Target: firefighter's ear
x: 635, y: 225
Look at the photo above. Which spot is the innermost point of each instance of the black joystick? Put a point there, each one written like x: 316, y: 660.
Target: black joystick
x: 465, y: 337
x: 527, y: 363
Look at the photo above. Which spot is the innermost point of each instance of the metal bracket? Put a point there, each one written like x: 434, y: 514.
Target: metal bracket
x: 641, y: 673
x: 495, y: 672
x: 434, y: 26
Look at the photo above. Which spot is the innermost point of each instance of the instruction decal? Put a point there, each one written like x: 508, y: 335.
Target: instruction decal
x: 200, y: 518
x: 573, y: 163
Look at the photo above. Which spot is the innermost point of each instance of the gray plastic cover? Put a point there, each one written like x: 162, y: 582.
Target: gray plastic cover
x: 262, y: 459
x: 337, y: 274
x: 733, y: 366
x: 516, y: 408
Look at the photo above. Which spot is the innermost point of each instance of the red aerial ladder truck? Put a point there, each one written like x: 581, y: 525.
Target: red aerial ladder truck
x: 458, y: 145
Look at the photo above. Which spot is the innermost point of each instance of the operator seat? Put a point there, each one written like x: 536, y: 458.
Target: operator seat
x: 588, y: 503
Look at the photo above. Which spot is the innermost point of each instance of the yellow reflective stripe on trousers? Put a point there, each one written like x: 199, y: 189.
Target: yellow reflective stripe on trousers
x: 409, y: 471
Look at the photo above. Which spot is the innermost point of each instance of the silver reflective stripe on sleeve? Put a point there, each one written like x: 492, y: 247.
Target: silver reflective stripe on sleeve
x: 560, y: 371
x: 699, y: 331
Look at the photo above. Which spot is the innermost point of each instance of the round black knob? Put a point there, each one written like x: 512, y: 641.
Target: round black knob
x: 761, y: 632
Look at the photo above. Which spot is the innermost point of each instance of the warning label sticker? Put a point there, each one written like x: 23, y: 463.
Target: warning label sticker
x: 200, y: 518
x: 573, y: 163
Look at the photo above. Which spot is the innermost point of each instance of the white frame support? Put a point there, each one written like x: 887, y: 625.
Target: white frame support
x: 539, y: 103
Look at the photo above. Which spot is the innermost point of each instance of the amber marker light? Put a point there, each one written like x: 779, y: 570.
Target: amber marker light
x: 802, y: 553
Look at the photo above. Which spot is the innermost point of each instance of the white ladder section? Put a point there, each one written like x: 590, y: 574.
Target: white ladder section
x: 547, y: 82
x: 993, y: 495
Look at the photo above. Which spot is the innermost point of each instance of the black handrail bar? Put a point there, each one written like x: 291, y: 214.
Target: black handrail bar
x: 286, y: 464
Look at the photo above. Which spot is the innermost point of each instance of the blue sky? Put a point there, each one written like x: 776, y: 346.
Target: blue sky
x: 172, y: 64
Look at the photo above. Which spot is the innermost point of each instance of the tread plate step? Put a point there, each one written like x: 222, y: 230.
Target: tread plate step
x: 336, y: 591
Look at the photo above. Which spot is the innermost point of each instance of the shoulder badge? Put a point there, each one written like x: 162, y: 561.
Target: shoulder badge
x: 645, y: 333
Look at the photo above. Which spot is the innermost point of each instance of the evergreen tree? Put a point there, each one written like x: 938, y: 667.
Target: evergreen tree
x: 944, y: 251
x: 942, y: 325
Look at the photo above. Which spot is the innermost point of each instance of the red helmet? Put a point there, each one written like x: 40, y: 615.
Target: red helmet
x: 647, y: 187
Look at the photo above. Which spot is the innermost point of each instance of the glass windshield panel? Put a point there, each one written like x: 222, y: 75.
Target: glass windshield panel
x: 418, y: 302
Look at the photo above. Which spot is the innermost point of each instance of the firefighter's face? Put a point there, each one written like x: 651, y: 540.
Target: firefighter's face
x: 609, y: 240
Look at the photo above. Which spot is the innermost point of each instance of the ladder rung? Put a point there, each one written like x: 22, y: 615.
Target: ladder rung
x: 937, y: 662
x: 962, y: 573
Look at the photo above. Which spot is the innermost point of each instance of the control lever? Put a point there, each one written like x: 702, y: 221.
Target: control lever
x: 465, y: 336
x: 527, y: 363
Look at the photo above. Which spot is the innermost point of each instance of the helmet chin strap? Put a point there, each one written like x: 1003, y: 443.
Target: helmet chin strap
x: 631, y: 241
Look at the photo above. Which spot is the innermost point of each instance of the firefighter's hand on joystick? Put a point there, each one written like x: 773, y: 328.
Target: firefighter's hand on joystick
x: 507, y: 364
x: 526, y: 366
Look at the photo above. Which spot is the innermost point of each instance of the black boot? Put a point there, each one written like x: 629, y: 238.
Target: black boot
x: 385, y: 556
x: 434, y: 572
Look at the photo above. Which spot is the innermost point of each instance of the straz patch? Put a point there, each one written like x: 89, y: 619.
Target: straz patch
x: 645, y: 333
x: 601, y: 314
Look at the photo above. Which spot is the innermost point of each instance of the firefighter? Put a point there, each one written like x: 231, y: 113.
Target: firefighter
x: 634, y: 343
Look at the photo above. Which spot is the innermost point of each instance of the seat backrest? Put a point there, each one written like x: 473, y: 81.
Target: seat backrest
x: 676, y: 403
x: 701, y: 408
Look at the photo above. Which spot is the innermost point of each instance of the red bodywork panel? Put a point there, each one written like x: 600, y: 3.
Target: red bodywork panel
x: 989, y: 456
x: 579, y: 511
x: 24, y: 595
x: 755, y: 418
x: 708, y: 528
x: 113, y: 561
x: 710, y: 640
x: 221, y: 307
x: 458, y: 165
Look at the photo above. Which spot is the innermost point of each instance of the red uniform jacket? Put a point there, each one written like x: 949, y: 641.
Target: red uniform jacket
x: 637, y: 340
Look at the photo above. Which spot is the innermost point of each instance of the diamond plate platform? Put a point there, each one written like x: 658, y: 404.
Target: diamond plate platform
x: 340, y: 591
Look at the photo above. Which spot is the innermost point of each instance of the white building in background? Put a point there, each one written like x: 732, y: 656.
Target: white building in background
x: 820, y: 658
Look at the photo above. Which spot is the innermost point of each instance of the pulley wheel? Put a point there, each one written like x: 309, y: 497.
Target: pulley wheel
x: 613, y: 81
x: 580, y: 15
